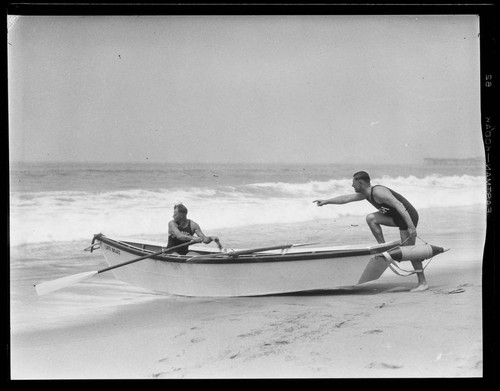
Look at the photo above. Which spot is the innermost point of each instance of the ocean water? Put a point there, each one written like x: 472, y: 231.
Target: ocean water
x: 56, y: 208
x: 69, y: 202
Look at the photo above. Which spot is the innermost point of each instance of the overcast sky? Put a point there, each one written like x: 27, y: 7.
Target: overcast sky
x: 318, y: 89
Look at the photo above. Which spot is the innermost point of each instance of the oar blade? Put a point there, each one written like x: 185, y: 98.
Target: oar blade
x: 54, y: 285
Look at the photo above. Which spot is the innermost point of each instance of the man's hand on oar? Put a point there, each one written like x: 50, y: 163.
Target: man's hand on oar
x: 217, y: 241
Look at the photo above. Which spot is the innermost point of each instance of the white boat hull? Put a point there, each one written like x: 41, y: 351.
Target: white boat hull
x: 240, y: 277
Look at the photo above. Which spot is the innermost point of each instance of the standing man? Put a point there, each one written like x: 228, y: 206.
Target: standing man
x: 393, y: 211
x: 182, y: 230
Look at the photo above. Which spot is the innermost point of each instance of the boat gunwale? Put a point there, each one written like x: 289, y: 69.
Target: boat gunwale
x: 247, y: 258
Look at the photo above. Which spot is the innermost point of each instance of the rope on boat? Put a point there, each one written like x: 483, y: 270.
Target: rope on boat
x: 93, y: 246
x: 395, y: 267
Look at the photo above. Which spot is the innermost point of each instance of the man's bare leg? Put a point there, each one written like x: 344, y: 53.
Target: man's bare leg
x: 375, y: 228
x: 417, y: 265
x: 422, y: 283
x: 374, y: 221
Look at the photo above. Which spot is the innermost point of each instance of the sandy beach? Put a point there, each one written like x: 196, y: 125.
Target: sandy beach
x: 377, y: 330
x: 367, y: 333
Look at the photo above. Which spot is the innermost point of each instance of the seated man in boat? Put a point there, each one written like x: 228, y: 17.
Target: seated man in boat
x: 182, y: 230
x: 394, y: 211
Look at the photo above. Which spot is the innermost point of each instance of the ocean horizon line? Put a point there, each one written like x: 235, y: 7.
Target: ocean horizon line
x: 240, y: 163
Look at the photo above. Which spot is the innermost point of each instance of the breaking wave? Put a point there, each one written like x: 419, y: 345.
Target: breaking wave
x: 38, y: 217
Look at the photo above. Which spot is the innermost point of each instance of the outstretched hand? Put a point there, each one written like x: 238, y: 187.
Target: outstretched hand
x: 320, y: 202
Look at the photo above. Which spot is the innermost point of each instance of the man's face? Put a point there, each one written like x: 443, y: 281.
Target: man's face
x: 178, y: 216
x: 356, y: 184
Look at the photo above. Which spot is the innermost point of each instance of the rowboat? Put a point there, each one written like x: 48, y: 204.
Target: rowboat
x: 251, y: 272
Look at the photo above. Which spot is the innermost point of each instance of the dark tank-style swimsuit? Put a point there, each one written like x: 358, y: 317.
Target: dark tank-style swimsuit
x: 392, y: 212
x: 173, y: 241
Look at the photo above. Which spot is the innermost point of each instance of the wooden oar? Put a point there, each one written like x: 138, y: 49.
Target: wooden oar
x: 63, y: 282
x: 234, y: 254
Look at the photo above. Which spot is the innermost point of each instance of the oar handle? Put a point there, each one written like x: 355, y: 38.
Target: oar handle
x: 234, y: 254
x: 146, y: 256
x: 262, y: 249
x: 256, y: 250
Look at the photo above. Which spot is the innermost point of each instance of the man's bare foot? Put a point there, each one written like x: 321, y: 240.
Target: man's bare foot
x: 420, y: 288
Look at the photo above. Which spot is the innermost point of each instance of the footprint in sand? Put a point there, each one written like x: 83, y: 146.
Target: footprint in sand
x: 250, y: 334
x: 458, y: 290
x: 449, y: 292
x: 373, y: 332
x: 383, y: 365
x: 196, y: 340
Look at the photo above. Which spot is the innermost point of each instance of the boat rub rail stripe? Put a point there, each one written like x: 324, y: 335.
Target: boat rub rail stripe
x: 249, y: 258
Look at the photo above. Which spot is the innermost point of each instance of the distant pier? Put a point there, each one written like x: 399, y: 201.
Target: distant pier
x: 454, y: 162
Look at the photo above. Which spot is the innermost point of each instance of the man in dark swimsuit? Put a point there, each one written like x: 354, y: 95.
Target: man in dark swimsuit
x: 394, y: 211
x: 182, y: 230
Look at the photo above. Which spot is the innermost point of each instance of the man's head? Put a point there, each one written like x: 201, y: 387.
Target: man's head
x: 360, y: 180
x: 180, y: 212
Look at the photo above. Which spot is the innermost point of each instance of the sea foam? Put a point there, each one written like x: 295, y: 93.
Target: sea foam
x: 38, y: 217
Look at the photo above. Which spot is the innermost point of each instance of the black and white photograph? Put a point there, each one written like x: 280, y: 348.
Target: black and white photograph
x: 247, y: 196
